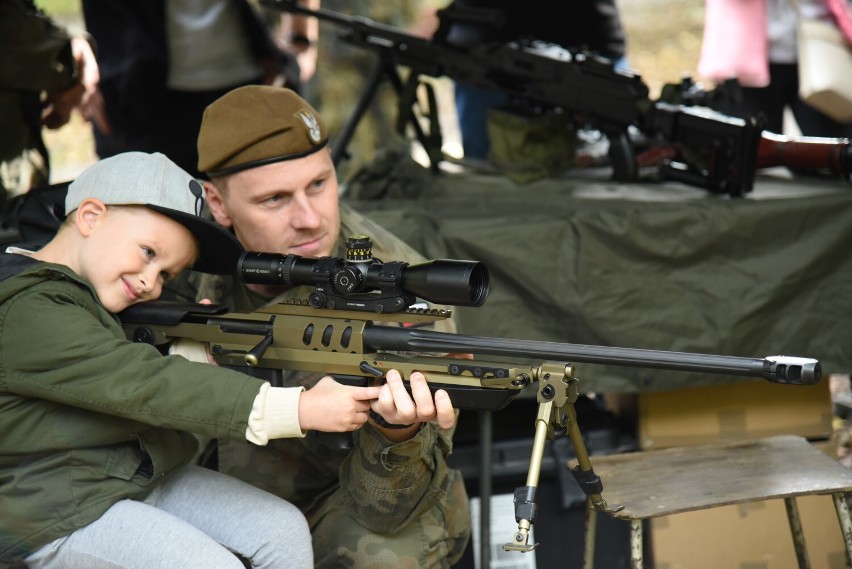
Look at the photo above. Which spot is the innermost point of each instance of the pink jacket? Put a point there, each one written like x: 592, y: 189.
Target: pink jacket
x: 734, y: 42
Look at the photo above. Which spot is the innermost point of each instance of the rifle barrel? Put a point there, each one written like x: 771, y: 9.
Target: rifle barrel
x: 777, y: 369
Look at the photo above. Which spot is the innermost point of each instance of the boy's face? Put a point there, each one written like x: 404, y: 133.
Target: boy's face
x: 131, y: 252
x: 288, y: 207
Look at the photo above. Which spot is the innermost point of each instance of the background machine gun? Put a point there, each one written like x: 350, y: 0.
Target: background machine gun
x: 722, y: 148
x: 336, y: 331
x: 691, y: 138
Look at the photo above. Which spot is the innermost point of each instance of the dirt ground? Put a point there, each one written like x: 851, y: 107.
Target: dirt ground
x: 663, y: 38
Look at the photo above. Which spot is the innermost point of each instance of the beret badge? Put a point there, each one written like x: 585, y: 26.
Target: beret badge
x: 311, y: 124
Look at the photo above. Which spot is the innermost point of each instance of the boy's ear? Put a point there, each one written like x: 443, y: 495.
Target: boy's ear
x: 88, y: 214
x: 216, y: 203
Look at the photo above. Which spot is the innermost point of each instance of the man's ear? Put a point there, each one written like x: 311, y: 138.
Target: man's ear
x: 88, y: 215
x: 216, y: 203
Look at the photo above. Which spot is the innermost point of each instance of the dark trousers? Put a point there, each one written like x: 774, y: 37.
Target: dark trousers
x: 782, y: 92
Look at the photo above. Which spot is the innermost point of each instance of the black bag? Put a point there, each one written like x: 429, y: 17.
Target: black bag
x: 34, y: 217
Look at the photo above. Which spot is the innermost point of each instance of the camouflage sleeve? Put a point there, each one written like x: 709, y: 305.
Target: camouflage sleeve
x: 390, y: 484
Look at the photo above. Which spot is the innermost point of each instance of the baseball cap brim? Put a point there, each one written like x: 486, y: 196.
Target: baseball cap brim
x: 218, y: 250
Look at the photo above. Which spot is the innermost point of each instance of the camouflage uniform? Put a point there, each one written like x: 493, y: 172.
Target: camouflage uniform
x: 380, y: 504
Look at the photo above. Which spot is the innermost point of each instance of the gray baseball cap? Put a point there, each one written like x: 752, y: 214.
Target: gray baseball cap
x: 152, y: 180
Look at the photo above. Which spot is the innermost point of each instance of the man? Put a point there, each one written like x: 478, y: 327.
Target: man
x: 390, y: 500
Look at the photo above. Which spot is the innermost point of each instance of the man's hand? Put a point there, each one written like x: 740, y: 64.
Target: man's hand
x: 399, y: 408
x: 59, y: 104
x: 333, y: 407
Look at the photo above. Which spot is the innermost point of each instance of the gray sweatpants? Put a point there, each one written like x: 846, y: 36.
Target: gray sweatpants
x: 196, y: 518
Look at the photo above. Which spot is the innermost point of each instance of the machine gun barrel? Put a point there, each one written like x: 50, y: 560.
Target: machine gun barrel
x: 776, y: 369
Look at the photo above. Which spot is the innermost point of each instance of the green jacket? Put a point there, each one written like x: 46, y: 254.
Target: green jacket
x: 87, y: 417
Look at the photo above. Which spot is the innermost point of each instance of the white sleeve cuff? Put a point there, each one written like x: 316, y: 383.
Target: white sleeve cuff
x: 274, y: 415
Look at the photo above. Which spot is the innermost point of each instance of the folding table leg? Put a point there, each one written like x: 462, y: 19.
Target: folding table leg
x: 797, y: 533
x: 636, y: 561
x: 845, y: 524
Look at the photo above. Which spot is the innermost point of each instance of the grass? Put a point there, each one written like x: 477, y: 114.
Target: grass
x: 62, y: 9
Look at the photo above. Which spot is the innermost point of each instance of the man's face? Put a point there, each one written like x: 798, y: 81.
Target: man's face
x: 288, y: 207
x: 130, y: 252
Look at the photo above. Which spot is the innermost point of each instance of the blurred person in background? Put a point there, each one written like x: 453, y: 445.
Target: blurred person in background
x: 163, y: 61
x: 45, y: 73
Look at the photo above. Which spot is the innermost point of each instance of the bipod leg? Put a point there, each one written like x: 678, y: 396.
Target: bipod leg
x: 525, y: 506
x: 622, y: 156
x: 585, y: 475
x: 556, y: 389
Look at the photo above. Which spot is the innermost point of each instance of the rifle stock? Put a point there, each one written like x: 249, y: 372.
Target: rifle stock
x: 802, y: 154
x: 812, y: 155
x: 806, y: 153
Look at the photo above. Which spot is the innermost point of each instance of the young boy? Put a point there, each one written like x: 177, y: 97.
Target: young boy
x: 96, y: 429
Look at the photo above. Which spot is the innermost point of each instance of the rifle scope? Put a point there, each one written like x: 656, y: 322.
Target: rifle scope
x: 441, y: 281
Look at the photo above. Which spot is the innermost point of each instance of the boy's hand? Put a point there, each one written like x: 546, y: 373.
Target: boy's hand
x: 332, y: 407
x: 399, y: 408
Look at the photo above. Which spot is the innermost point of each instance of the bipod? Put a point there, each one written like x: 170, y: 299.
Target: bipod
x: 557, y: 393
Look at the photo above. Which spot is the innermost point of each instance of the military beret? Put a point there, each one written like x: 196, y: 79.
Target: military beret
x: 256, y: 125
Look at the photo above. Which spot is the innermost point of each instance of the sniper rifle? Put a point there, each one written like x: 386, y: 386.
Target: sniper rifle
x: 336, y: 330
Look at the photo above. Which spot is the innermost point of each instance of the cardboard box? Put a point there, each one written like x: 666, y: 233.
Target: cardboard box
x: 748, y: 536
x: 733, y: 411
x: 755, y: 535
